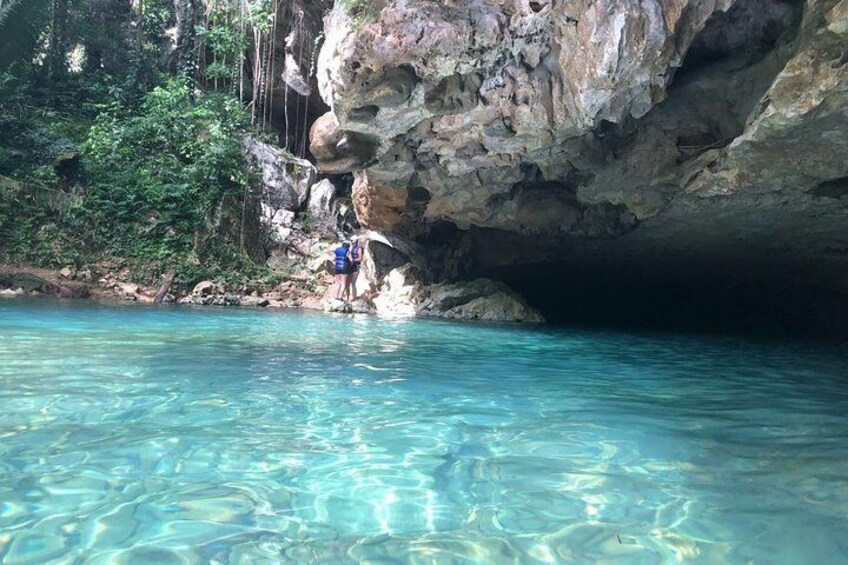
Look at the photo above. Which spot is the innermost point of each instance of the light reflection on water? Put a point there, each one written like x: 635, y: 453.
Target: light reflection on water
x: 142, y: 435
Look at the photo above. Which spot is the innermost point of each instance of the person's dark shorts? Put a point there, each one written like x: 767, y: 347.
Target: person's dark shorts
x: 343, y: 271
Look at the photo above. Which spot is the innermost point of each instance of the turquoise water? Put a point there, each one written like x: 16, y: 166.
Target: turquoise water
x: 133, y: 434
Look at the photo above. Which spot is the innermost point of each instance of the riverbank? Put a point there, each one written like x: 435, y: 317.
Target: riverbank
x: 399, y: 294
x: 93, y: 282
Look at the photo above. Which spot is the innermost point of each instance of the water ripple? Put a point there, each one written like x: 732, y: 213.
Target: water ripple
x: 141, y: 435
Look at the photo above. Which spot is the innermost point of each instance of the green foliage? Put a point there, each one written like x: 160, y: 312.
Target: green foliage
x: 22, y: 23
x: 223, y: 39
x: 166, y: 188
x: 33, y: 134
x: 363, y: 12
x: 167, y: 182
x: 159, y: 181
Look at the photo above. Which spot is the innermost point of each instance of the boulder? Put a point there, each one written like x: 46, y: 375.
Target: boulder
x: 12, y: 292
x: 205, y: 288
x: 283, y: 218
x: 254, y: 301
x: 400, y: 294
x: 338, y: 151
x: 321, y: 204
x: 285, y: 178
x: 403, y: 295
x: 128, y: 291
x: 321, y: 264
x: 27, y: 281
x: 338, y: 307
x: 279, y: 235
x: 480, y: 299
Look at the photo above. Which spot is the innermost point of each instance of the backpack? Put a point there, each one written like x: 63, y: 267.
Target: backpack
x: 356, y: 254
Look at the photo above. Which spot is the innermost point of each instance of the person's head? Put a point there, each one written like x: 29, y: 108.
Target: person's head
x: 346, y: 245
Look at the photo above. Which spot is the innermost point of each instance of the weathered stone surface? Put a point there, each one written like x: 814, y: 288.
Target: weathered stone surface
x: 212, y: 300
x: 285, y: 178
x: 294, y: 100
x: 379, y: 206
x: 205, y: 288
x: 322, y: 202
x: 12, y: 292
x: 403, y: 295
x: 321, y: 264
x: 128, y: 291
x: 337, y: 150
x: 42, y: 281
x: 480, y: 299
x: 284, y: 218
x: 254, y: 301
x: 703, y: 127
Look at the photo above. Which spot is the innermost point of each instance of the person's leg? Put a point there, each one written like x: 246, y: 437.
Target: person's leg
x: 353, y: 276
x: 347, y: 287
x: 339, y: 286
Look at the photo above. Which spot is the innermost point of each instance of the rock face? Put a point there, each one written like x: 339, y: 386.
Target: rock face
x: 289, y: 190
x: 405, y: 296
x: 605, y: 128
x: 285, y: 178
x: 322, y: 202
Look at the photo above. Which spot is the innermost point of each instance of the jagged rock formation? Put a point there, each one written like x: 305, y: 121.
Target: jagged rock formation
x: 552, y: 129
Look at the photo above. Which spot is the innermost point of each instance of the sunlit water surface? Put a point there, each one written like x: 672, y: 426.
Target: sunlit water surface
x: 145, y: 435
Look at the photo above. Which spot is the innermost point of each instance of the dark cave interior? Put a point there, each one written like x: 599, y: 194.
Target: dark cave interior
x: 716, y: 287
x: 740, y: 294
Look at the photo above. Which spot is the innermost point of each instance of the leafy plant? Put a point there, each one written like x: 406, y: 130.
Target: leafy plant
x: 168, y: 182
x: 22, y: 23
x: 362, y: 12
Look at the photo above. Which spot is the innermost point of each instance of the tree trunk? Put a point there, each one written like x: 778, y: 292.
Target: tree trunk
x: 186, y: 16
x: 57, y: 49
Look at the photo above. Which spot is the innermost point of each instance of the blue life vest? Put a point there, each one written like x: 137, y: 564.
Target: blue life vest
x: 342, y: 262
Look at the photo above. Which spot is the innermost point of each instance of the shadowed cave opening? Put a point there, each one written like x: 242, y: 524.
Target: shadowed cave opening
x: 746, y: 32
x: 723, y: 288
x: 747, y: 294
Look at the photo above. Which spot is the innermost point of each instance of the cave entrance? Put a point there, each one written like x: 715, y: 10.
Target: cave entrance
x: 730, y: 295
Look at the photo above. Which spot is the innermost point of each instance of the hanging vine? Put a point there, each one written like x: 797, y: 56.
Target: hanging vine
x: 239, y: 48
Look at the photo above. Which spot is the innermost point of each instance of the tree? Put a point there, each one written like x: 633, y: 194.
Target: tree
x: 21, y: 25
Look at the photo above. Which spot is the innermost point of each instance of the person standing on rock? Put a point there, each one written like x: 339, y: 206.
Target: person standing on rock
x: 342, y: 270
x: 355, y: 262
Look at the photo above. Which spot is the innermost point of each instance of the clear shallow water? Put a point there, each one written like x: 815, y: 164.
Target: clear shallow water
x: 145, y: 435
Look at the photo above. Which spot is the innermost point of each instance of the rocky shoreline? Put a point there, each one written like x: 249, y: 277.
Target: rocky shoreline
x: 400, y: 295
